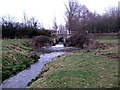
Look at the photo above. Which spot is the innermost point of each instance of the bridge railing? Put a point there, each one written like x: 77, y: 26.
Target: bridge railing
x: 64, y: 32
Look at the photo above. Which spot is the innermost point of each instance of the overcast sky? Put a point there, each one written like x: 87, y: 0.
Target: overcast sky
x: 45, y: 10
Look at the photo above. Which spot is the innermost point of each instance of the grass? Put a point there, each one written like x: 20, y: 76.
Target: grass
x: 80, y: 70
x: 112, y: 46
x: 15, y: 56
x: 108, y: 40
x: 0, y: 61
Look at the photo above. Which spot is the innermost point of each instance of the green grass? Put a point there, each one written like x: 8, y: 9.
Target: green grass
x: 81, y: 70
x: 6, y: 42
x: 15, y: 56
x: 108, y: 40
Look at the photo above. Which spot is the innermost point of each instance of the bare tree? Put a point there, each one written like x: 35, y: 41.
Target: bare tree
x: 70, y: 13
x: 55, y: 26
x: 25, y: 19
x: 119, y: 15
x: 76, y: 15
x: 61, y: 27
x: 32, y: 22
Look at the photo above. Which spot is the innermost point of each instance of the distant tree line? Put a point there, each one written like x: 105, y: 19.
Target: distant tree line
x: 78, y: 17
x: 27, y: 29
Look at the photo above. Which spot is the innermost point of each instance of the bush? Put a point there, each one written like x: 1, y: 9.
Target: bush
x: 34, y: 33
x: 40, y: 41
x: 8, y: 31
x: 80, y: 39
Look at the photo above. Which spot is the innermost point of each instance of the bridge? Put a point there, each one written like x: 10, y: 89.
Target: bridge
x: 61, y: 35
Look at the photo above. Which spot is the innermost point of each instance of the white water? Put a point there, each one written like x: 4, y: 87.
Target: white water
x: 60, y: 44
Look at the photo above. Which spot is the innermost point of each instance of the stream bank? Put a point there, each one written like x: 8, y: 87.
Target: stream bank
x: 21, y: 79
x: 16, y: 56
x: 84, y: 69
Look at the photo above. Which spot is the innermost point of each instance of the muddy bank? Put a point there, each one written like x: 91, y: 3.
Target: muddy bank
x: 107, y: 51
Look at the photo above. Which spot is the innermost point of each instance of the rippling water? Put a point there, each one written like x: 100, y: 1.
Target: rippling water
x: 22, y: 78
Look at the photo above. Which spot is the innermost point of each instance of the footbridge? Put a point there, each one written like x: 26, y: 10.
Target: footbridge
x: 60, y: 36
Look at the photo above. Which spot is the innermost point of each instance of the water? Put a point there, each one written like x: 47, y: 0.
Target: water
x: 60, y: 44
x: 21, y: 79
x: 57, y: 48
x: 46, y: 54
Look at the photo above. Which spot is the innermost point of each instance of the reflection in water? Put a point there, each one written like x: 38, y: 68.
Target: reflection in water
x: 46, y: 54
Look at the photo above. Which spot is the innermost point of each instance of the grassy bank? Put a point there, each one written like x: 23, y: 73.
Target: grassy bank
x: 81, y: 70
x: 16, y: 56
x: 108, y: 40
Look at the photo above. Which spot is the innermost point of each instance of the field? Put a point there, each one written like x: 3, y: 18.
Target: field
x: 108, y: 40
x: 16, y: 56
x: 95, y: 69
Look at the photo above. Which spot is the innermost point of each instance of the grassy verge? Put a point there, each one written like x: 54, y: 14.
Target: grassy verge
x: 16, y: 56
x: 108, y: 40
x: 80, y: 70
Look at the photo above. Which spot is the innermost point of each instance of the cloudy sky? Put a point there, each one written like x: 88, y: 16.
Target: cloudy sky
x: 45, y: 10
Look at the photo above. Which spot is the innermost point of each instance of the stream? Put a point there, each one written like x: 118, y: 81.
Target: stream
x: 21, y: 79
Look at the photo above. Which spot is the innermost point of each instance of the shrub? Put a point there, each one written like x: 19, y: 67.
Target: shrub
x: 34, y: 33
x: 40, y: 41
x: 80, y: 39
x: 23, y: 32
